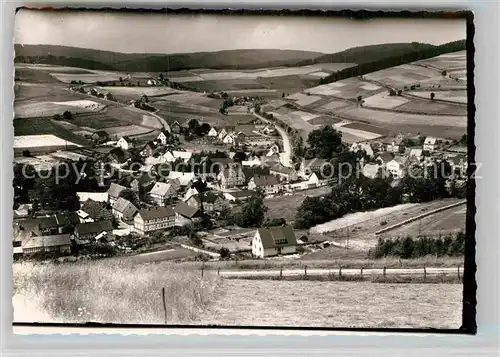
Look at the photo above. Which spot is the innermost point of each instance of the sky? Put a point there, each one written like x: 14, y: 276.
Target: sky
x: 163, y: 33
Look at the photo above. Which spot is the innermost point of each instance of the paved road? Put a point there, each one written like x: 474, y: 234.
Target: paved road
x: 287, y: 147
x: 351, y: 272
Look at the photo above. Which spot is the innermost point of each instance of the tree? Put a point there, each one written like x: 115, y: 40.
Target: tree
x: 131, y: 196
x: 239, y: 156
x: 463, y: 140
x: 224, y: 253
x: 324, y: 143
x: 120, y: 79
x: 26, y: 153
x: 433, y: 95
x: 67, y: 115
x: 205, y: 128
x: 144, y: 98
x: 392, y: 92
x: 282, y: 95
x: 444, y: 73
x: 400, y: 92
x: 257, y: 108
x: 252, y: 213
x: 161, y: 77
x: 57, y: 117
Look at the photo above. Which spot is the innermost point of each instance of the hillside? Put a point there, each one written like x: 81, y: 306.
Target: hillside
x: 134, y: 62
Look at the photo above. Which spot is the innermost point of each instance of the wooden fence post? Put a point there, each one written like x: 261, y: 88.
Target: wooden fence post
x: 218, y: 271
x: 458, y: 271
x: 340, y: 273
x: 425, y: 273
x: 281, y: 271
x: 164, y: 304
x: 202, y: 268
x: 385, y: 268
x: 305, y: 271
x: 361, y: 271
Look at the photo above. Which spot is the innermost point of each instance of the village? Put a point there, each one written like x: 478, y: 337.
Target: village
x: 154, y: 191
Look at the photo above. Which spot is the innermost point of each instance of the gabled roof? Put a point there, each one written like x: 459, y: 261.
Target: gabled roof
x: 96, y: 196
x: 184, y: 178
x: 272, y: 235
x: 96, y: 210
x: 101, y: 134
x: 124, y: 206
x: 115, y: 190
x: 47, y: 222
x: 430, y: 140
x: 94, y: 227
x: 67, y: 219
x: 386, y: 156
x: 241, y: 194
x: 267, y: 180
x: 150, y: 213
x: 47, y: 241
x: 126, y: 138
x: 186, y: 210
x: 144, y: 179
x: 281, y: 169
x: 161, y: 189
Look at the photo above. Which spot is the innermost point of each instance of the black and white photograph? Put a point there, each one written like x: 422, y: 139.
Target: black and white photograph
x: 240, y: 170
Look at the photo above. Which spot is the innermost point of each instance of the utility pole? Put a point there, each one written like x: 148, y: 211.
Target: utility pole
x: 347, y: 239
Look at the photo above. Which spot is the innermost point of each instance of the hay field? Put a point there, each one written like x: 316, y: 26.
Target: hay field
x: 86, y: 77
x: 384, y: 101
x: 33, y: 141
x: 452, y: 96
x: 303, y: 99
x: 24, y: 127
x: 433, y: 107
x: 335, y: 304
x: 108, y: 291
x: 404, y: 75
x: 49, y: 109
x: 138, y: 91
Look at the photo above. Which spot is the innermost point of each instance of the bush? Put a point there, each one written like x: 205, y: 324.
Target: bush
x: 224, y: 253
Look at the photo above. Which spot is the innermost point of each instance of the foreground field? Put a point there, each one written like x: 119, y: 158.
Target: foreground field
x: 336, y: 304
x: 108, y: 291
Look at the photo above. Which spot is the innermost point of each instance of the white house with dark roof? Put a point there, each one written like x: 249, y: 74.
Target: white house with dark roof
x: 125, y: 143
x: 95, y: 196
x: 163, y: 136
x: 269, y: 183
x: 362, y: 146
x: 242, y: 195
x: 272, y: 241
x: 430, y: 144
x: 161, y: 192
x: 212, y: 132
x: 185, y: 214
x: 153, y: 219
x: 397, y: 166
x: 114, y: 192
x: 307, y: 167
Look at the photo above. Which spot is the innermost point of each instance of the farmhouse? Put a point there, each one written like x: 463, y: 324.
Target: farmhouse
x: 307, y: 167
x: 384, y: 158
x: 54, y: 243
x: 183, y: 178
x: 190, y: 192
x: 150, y: 149
x: 163, y: 136
x: 229, y: 139
x: 207, y: 202
x: 273, y: 150
x: 269, y: 183
x: 67, y: 221
x: 318, y: 179
x: 125, y: 143
x: 185, y: 214
x: 95, y: 196
x: 84, y: 232
x: 22, y: 211
x: 161, y: 192
x: 175, y: 127
x: 430, y: 144
x: 173, y: 156
x: 96, y: 210
x: 242, y: 195
x: 222, y: 134
x: 124, y: 209
x: 416, y: 152
x: 372, y: 171
x: 118, y: 156
x: 114, y: 192
x: 285, y: 173
x: 273, y: 241
x: 355, y: 147
x: 154, y: 218
x: 231, y: 177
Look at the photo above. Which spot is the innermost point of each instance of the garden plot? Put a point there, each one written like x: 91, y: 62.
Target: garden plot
x: 86, y: 77
x: 303, y: 115
x: 46, y: 140
x: 384, y: 101
x: 303, y: 99
x: 452, y: 96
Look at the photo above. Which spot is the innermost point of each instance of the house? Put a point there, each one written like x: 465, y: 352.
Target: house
x: 415, y: 152
x: 372, y: 170
x: 118, y: 156
x: 307, y: 167
x: 231, y: 177
x: 44, y: 226
x: 183, y: 178
x: 385, y: 157
x: 153, y: 219
x: 190, y: 192
x: 175, y: 127
x: 269, y: 183
x: 84, y: 232
x: 272, y: 241
x: 458, y: 164
x: 268, y: 129
x: 84, y: 217
x: 95, y: 196
x: 60, y: 243
x: 161, y: 192
x: 242, y: 195
x: 124, y: 209
x: 185, y: 214
x: 151, y: 82
x: 97, y: 211
x: 318, y: 179
x: 67, y: 221
x: 163, y: 136
x: 273, y: 150
x: 100, y: 136
x: 229, y: 139
x: 222, y: 134
x: 23, y: 211
x: 283, y: 172
x: 173, y: 156
x: 114, y: 192
x: 125, y: 143
x: 430, y: 144
x: 212, y: 132
x: 150, y: 149
x: 396, y: 166
x: 207, y: 202
x: 145, y: 181
x: 361, y: 146
x: 252, y: 162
